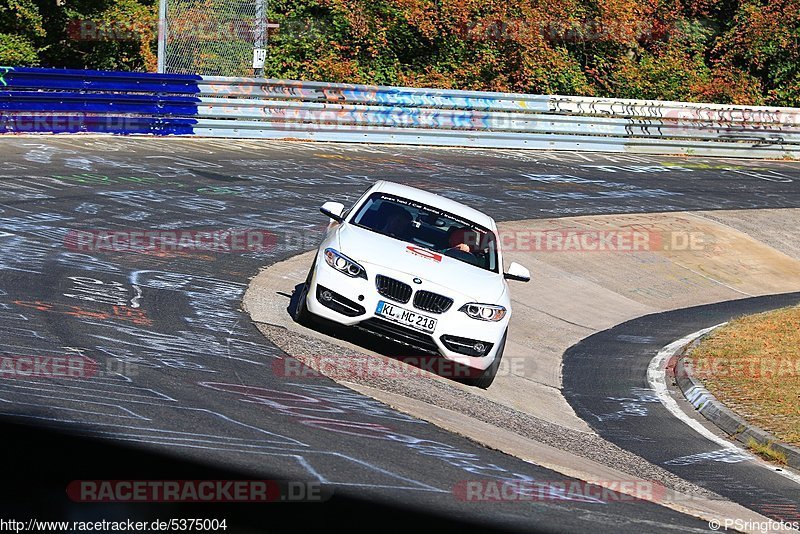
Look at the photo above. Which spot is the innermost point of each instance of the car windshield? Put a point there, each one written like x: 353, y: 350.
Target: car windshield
x: 428, y: 227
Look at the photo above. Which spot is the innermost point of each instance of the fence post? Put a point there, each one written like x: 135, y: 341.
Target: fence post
x: 162, y: 35
x: 259, y: 48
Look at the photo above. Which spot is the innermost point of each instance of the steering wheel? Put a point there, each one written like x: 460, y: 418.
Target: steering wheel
x: 460, y: 255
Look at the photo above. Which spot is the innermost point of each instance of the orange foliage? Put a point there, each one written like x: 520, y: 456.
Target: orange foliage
x: 745, y: 51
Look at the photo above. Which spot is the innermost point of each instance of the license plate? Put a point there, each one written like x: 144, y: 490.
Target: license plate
x: 406, y: 317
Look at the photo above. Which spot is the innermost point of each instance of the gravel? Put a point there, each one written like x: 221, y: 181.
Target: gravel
x: 420, y: 385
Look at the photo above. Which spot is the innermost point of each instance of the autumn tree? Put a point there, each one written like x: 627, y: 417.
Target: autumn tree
x: 730, y: 51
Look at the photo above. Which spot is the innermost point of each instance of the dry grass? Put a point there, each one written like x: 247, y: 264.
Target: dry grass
x: 752, y: 365
x: 766, y: 451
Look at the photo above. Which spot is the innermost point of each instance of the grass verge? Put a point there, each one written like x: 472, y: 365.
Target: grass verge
x: 766, y: 451
x: 752, y: 365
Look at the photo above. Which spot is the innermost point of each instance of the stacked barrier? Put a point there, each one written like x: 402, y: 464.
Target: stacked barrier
x: 75, y: 101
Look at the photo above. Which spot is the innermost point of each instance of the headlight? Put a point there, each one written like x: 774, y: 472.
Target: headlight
x: 484, y: 312
x: 344, y: 265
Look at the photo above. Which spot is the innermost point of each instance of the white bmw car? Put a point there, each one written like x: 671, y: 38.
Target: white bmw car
x: 417, y: 268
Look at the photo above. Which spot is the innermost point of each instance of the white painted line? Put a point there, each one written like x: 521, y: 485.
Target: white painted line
x: 656, y: 376
x: 714, y: 280
x: 135, y: 300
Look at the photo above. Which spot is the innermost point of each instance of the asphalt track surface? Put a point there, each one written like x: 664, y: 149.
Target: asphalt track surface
x: 605, y: 381
x: 187, y: 388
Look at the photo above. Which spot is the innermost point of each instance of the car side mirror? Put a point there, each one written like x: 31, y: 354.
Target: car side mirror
x: 517, y: 272
x: 333, y: 210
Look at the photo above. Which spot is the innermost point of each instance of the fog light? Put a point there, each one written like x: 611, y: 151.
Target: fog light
x: 338, y: 303
x: 467, y: 346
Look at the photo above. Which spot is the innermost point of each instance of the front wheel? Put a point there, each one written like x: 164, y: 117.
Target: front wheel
x: 485, y: 379
x: 301, y: 314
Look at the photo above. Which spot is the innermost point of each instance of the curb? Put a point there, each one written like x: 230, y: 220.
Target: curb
x: 716, y: 412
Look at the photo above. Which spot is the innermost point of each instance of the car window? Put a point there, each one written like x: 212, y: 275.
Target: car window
x: 356, y: 203
x: 428, y: 227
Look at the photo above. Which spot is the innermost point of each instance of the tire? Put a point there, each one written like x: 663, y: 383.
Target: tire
x: 487, y: 376
x: 301, y: 314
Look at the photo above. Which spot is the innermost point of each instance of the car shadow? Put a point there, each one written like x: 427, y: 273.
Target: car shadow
x: 409, y: 355
x: 40, y: 484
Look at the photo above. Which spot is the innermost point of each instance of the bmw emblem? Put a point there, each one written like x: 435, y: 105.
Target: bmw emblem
x: 417, y: 281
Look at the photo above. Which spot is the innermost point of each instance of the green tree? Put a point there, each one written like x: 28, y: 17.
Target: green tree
x: 762, y: 46
x: 737, y: 51
x: 23, y: 32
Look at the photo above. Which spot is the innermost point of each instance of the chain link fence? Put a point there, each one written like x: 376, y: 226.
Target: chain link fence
x: 214, y: 37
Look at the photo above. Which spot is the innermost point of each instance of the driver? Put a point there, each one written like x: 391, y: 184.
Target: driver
x: 398, y: 223
x: 463, y: 239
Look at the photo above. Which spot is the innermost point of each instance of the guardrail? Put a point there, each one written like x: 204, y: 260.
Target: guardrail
x: 75, y: 101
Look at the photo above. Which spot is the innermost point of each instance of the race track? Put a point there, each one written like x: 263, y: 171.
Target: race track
x: 184, y: 374
x: 605, y: 380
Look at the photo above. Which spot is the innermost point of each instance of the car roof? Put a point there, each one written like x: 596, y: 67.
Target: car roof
x: 437, y: 201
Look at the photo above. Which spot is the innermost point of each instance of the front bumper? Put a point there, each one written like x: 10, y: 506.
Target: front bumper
x: 353, y: 302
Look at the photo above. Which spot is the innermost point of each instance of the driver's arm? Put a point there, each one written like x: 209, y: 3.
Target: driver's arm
x: 463, y: 247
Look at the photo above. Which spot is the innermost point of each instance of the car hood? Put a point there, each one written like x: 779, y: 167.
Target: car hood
x: 373, y: 251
